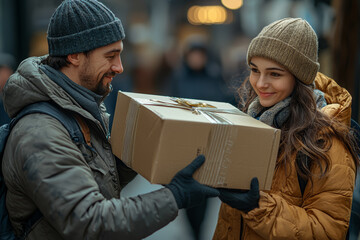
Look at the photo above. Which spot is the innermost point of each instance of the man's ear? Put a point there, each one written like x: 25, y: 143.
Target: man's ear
x: 74, y: 58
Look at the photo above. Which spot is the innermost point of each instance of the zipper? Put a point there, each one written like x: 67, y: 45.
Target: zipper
x: 241, y: 227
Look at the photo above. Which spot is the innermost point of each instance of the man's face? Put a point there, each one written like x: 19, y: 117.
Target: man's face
x: 100, y: 66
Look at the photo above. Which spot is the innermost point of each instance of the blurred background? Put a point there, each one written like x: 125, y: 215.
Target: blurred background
x: 159, y: 33
x: 195, y: 49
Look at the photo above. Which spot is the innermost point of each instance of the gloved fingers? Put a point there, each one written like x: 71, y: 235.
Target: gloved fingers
x: 194, y: 165
x: 254, y: 185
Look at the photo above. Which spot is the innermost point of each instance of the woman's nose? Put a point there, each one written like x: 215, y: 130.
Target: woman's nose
x: 262, y: 81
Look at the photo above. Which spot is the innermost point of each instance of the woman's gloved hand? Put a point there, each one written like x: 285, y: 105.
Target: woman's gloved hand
x: 187, y: 191
x: 242, y: 200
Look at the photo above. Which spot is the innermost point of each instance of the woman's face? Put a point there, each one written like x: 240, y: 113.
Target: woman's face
x: 271, y: 81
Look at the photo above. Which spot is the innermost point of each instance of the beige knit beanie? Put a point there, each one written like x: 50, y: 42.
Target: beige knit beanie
x: 291, y: 42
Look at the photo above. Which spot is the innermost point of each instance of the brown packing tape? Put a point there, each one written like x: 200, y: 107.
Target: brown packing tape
x: 129, y: 135
x: 219, y: 147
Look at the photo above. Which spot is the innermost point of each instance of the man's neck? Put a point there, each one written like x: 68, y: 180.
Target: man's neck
x: 71, y: 73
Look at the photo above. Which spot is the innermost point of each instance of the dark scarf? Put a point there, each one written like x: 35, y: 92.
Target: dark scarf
x: 276, y: 115
x: 87, y: 99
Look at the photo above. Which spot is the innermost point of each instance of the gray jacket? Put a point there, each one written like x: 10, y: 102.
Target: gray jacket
x: 79, y: 197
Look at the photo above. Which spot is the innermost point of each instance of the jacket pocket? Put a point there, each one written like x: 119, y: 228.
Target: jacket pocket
x: 98, y: 165
x: 94, y: 161
x: 101, y: 172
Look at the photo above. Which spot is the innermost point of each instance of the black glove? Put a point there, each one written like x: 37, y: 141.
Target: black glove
x: 242, y: 200
x: 187, y: 191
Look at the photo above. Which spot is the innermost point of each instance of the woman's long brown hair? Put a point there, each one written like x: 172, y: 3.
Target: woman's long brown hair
x: 307, y: 133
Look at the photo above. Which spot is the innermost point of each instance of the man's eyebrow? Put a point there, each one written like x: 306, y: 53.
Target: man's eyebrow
x: 113, y: 51
x: 271, y: 68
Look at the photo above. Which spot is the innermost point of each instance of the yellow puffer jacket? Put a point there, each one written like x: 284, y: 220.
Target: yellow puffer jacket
x: 323, y: 212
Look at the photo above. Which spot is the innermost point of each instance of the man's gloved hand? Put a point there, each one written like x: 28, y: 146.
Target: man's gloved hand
x: 243, y: 201
x: 187, y: 191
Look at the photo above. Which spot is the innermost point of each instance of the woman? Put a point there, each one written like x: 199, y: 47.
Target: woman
x: 313, y: 183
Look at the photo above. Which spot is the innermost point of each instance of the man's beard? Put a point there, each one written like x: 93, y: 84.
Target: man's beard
x: 87, y: 80
x: 102, y: 89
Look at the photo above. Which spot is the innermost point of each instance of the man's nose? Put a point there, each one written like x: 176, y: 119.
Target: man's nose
x: 117, y: 66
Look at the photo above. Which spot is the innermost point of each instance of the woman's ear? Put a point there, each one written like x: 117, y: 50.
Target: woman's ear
x: 74, y: 59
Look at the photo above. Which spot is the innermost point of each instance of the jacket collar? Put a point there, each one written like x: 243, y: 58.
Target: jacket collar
x: 338, y: 99
x: 87, y: 99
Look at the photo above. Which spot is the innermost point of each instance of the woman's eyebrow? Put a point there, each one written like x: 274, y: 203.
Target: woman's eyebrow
x: 277, y: 69
x: 271, y: 68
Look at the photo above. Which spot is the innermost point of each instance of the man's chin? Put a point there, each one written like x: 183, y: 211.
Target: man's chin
x: 103, y: 90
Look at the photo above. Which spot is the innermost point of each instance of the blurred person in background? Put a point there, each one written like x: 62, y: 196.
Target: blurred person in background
x: 7, y: 67
x: 72, y: 189
x: 313, y: 182
x: 198, y: 76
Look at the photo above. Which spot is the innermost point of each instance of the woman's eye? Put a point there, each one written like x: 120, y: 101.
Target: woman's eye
x: 274, y: 74
x: 255, y: 70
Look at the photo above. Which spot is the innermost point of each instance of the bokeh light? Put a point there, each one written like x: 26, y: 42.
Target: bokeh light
x: 232, y: 4
x: 207, y: 15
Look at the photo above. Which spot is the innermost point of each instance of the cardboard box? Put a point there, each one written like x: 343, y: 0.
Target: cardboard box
x: 157, y: 137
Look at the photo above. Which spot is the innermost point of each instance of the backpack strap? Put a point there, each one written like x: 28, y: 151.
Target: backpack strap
x: 62, y: 115
x: 84, y: 129
x: 74, y: 124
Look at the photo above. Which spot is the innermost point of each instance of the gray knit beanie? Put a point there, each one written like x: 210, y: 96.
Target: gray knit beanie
x: 82, y: 25
x: 291, y: 42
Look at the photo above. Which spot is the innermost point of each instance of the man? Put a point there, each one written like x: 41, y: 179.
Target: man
x: 77, y: 188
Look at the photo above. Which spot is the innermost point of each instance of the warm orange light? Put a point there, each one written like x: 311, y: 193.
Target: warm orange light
x: 207, y: 15
x: 232, y: 4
